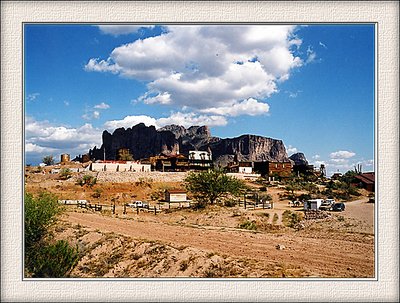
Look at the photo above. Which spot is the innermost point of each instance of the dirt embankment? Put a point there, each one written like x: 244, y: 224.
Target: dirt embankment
x: 299, y: 253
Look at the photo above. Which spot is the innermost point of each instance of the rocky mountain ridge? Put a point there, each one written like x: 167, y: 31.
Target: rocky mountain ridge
x: 145, y: 141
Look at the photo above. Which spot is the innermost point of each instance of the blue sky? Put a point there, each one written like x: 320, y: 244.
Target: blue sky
x: 311, y: 86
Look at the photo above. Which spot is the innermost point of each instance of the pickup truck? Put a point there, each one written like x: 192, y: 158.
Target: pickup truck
x: 327, y: 204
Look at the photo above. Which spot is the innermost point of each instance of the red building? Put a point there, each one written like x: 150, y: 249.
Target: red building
x: 367, y: 181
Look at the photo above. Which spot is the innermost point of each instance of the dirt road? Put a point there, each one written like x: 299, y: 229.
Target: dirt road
x: 331, y: 257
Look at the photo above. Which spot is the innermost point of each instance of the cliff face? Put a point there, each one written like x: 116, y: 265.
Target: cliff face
x: 146, y: 141
x: 248, y: 148
x: 141, y: 140
x: 299, y: 159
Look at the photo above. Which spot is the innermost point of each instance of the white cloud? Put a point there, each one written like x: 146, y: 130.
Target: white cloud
x: 117, y: 30
x: 190, y: 119
x: 32, y: 97
x: 336, y: 161
x: 323, y: 45
x: 293, y: 94
x: 96, y: 65
x: 184, y: 119
x: 96, y: 114
x: 130, y: 121
x: 318, y: 163
x: 33, y: 148
x: 250, y: 107
x: 43, y: 137
x: 291, y: 150
x: 102, y: 105
x: 311, y: 55
x: 207, y: 67
x: 66, y: 103
x: 316, y: 157
x: 342, y: 154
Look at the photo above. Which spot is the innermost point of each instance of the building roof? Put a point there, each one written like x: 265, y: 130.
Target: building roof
x: 367, y: 178
x: 176, y: 191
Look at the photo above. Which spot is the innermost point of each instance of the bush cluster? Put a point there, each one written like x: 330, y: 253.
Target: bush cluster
x: 44, y: 258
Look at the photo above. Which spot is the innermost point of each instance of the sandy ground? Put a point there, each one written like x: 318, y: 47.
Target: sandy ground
x: 209, y: 242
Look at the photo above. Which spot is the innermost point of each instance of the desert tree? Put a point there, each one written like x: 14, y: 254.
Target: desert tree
x: 48, y: 160
x: 209, y: 187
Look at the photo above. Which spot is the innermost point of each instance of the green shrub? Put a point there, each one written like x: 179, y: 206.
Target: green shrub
x: 250, y: 225
x: 275, y: 218
x: 40, y: 213
x: 41, y: 258
x: 230, y: 203
x: 290, y: 219
x: 87, y: 180
x: 65, y: 174
x: 52, y: 260
x: 97, y: 193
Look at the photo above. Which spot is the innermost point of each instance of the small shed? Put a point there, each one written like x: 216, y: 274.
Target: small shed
x: 175, y: 195
x: 313, y: 204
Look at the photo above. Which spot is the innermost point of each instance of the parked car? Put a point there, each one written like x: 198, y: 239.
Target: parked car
x: 136, y: 204
x: 338, y: 206
x: 327, y: 204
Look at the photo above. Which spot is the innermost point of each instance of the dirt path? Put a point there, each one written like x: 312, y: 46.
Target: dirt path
x: 335, y: 258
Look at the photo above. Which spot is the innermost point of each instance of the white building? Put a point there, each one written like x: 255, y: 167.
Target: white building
x: 116, y: 166
x: 313, y: 204
x: 175, y: 195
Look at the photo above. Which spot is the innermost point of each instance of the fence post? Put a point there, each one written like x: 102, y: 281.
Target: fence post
x: 263, y: 203
x: 155, y: 210
x: 113, y: 209
x: 137, y: 210
x: 124, y: 209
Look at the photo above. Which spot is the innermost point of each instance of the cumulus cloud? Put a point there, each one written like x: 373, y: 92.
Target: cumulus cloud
x: 43, y: 138
x: 250, y: 107
x: 130, y: 121
x: 117, y: 30
x: 291, y: 150
x: 189, y: 119
x: 184, y: 119
x: 102, y: 105
x: 208, y: 68
x: 342, y: 154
